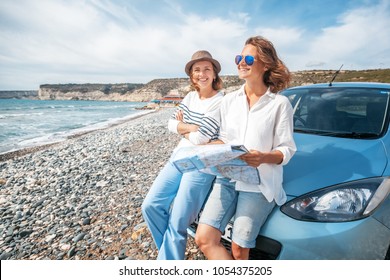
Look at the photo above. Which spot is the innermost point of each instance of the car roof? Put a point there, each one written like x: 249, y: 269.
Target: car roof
x: 346, y: 85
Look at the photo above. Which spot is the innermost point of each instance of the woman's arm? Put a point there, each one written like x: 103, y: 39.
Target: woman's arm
x: 208, y: 128
x: 182, y: 127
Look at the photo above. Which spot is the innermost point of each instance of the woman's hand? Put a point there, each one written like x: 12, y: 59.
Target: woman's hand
x: 179, y: 115
x: 255, y: 158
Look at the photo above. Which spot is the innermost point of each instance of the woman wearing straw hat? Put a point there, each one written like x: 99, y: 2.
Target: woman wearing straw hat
x: 197, y: 120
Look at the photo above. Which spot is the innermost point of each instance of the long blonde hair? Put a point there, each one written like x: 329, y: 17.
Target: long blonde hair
x: 277, y: 77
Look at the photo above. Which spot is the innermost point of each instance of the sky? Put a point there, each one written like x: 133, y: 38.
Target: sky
x: 136, y: 41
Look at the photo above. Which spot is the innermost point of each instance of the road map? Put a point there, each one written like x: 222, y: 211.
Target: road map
x: 221, y: 160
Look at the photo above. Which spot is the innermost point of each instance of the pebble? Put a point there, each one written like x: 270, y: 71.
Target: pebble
x: 81, y: 198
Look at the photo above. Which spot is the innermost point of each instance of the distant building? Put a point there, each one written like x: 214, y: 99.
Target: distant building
x: 173, y: 98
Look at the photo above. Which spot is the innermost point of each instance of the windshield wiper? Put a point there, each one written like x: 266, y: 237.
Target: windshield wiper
x: 359, y: 135
x: 343, y: 134
x: 313, y: 131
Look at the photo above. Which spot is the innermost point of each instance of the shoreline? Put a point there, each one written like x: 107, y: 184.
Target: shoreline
x: 80, y: 199
x: 27, y: 150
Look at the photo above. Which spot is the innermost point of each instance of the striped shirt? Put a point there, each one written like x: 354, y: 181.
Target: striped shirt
x: 201, y: 112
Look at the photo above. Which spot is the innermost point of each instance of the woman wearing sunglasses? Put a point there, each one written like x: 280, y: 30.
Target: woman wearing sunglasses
x: 197, y: 120
x: 262, y: 120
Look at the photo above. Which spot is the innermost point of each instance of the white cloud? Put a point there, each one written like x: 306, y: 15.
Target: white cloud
x: 361, y: 38
x: 281, y: 37
x: 315, y: 63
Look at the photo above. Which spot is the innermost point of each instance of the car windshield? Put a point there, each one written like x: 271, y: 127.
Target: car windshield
x: 340, y: 111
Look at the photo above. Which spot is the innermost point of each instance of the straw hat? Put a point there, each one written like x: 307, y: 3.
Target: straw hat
x: 201, y: 56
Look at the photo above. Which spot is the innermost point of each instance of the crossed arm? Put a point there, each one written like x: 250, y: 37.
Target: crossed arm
x: 185, y: 128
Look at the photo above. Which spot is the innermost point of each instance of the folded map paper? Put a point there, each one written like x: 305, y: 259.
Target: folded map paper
x: 221, y: 160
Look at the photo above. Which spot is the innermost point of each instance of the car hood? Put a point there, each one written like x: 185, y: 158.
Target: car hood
x: 322, y: 161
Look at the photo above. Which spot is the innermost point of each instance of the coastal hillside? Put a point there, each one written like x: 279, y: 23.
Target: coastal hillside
x: 180, y: 86
x: 86, y: 91
x: 325, y: 76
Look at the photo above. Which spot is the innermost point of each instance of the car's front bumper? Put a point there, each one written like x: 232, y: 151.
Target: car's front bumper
x: 363, y: 239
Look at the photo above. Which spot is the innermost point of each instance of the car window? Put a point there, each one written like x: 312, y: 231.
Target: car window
x: 340, y: 112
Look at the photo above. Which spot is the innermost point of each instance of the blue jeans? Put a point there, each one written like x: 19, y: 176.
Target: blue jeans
x: 168, y: 222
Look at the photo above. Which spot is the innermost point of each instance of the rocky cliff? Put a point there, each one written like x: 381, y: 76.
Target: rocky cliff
x: 159, y: 88
x: 87, y: 91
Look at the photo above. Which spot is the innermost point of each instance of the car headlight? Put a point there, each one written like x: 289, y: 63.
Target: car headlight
x: 339, y: 203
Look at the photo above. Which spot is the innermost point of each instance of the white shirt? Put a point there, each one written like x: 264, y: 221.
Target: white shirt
x: 266, y: 127
x: 202, y: 112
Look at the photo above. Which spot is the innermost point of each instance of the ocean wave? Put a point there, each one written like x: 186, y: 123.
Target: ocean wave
x: 8, y: 116
x: 32, y: 107
x: 13, y: 144
x: 28, y: 123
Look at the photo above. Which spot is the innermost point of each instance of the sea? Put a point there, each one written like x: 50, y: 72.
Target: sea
x: 28, y: 123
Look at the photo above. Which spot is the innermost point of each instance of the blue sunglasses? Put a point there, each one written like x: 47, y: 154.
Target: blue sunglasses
x: 249, y: 59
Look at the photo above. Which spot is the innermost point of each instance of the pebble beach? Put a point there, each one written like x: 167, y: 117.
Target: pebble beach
x: 80, y: 199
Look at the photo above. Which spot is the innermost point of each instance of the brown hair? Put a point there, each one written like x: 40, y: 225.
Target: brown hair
x: 217, y: 82
x: 277, y: 77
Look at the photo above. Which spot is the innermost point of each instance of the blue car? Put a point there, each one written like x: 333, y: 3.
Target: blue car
x: 338, y: 182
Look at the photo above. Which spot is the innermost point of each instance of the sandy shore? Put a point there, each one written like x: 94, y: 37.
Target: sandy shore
x: 81, y: 198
